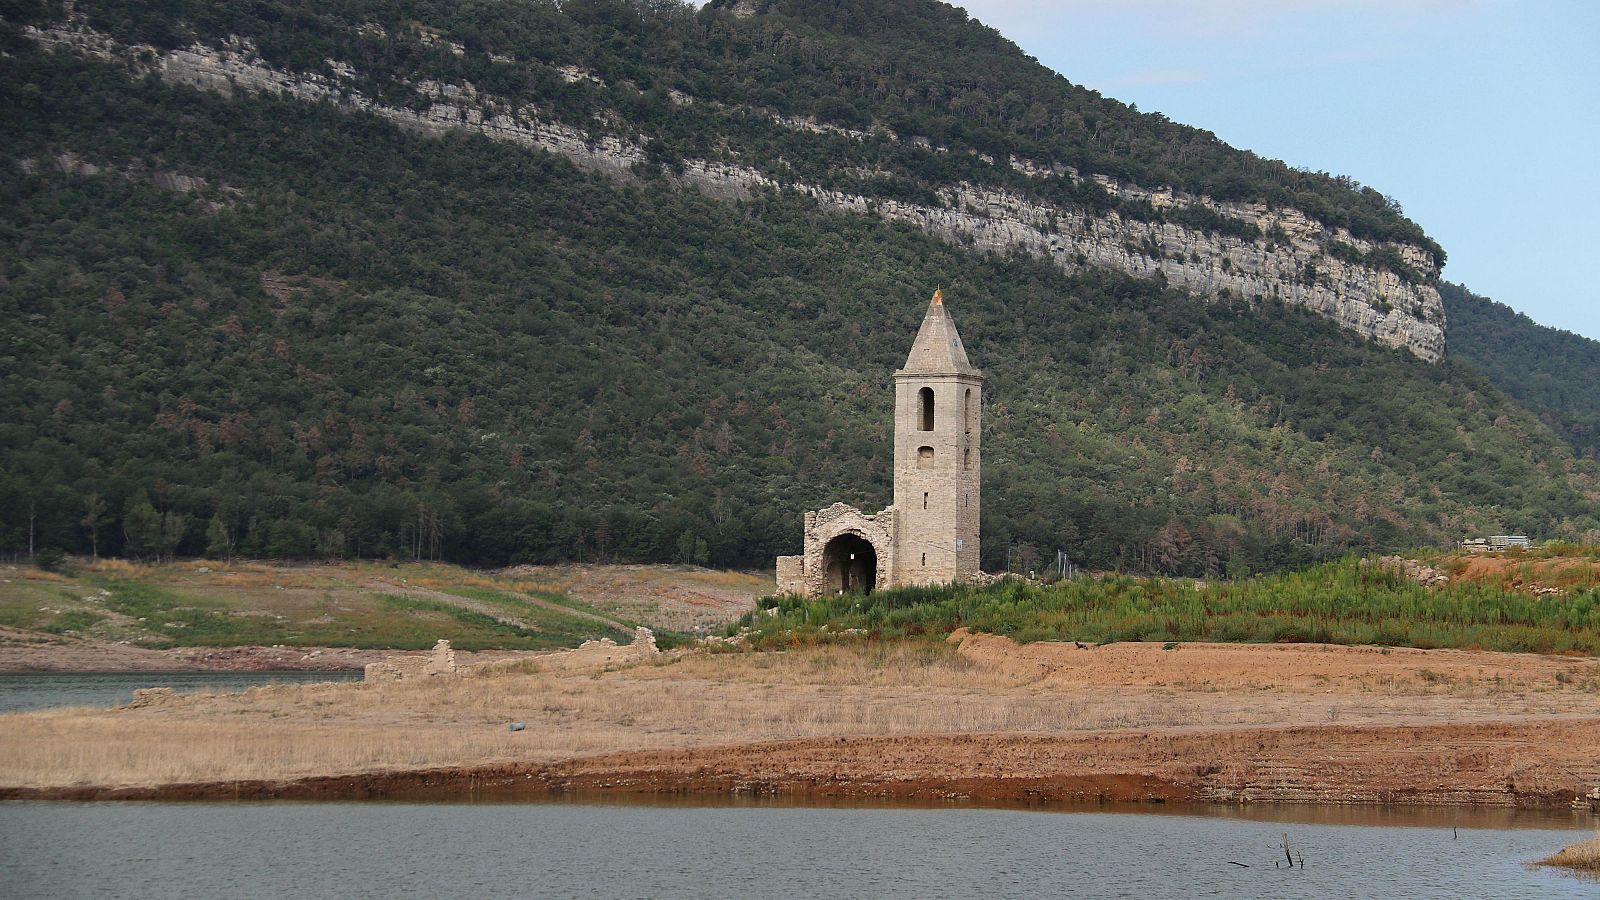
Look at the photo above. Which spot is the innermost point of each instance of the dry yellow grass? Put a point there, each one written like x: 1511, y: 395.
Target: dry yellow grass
x: 35, y: 575
x: 679, y: 598
x: 118, y: 602
x: 288, y: 731
x: 119, y: 568
x: 1583, y: 856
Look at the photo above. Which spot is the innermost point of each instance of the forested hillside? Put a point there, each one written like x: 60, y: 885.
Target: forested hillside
x: 934, y: 96
x: 239, y: 322
x: 1554, y: 373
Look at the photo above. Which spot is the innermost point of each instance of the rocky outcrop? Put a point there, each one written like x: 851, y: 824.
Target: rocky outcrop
x: 156, y: 696
x: 68, y: 163
x: 1420, y: 573
x: 1292, y: 259
x: 1375, y: 303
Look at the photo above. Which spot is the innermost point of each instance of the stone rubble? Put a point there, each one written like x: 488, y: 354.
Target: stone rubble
x: 1410, y: 568
x: 442, y: 660
x: 156, y: 696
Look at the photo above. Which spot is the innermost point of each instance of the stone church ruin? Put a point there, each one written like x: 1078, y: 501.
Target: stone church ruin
x: 929, y: 535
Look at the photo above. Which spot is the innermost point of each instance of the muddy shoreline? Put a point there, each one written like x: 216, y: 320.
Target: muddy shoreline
x: 1357, y: 768
x: 85, y: 657
x: 183, y: 670
x: 523, y: 782
x: 978, y: 719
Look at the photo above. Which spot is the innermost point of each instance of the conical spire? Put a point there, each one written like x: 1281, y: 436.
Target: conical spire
x: 938, y: 349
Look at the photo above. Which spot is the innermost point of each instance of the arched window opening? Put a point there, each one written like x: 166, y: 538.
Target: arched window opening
x: 969, y: 412
x: 925, y: 398
x: 924, y: 457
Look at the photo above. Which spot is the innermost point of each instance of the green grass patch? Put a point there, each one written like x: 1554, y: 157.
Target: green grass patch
x: 589, y: 628
x: 28, y: 606
x: 1337, y: 603
x: 46, y: 608
x: 374, y: 622
x: 520, y: 604
x: 183, y: 621
x: 471, y: 630
x: 73, y: 620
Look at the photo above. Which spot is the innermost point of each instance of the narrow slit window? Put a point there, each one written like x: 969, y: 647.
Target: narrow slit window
x: 925, y: 400
x: 924, y: 499
x: 924, y: 559
x: 969, y: 411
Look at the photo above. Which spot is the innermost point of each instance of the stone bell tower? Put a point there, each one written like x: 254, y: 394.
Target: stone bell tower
x: 938, y: 405
x: 929, y: 535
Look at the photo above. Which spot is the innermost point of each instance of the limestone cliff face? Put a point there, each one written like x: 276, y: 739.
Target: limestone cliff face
x: 1290, y: 261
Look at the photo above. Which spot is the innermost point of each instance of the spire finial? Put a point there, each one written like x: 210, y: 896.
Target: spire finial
x: 938, y: 297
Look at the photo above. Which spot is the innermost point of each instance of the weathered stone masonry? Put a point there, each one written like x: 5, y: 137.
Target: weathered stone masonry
x: 930, y: 533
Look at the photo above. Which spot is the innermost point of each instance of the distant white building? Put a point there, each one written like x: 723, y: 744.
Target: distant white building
x: 1507, y: 541
x: 1496, y: 542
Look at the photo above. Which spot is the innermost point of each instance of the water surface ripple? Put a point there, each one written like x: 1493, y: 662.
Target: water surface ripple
x: 620, y: 851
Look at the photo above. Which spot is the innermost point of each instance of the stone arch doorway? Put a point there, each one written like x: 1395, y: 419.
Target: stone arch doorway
x: 849, y: 565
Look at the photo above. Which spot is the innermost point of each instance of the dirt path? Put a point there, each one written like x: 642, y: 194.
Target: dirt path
x: 24, y: 652
x: 568, y: 610
x: 27, y: 651
x: 492, y: 610
x: 31, y: 651
x: 689, y: 599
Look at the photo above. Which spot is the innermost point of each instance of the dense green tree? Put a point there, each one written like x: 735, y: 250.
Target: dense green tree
x: 94, y: 510
x: 1554, y: 373
x: 219, y: 537
x: 353, y: 340
x: 141, y: 528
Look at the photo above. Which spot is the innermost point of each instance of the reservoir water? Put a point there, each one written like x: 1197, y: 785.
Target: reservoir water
x: 649, y: 851
x: 606, y: 850
x: 44, y: 690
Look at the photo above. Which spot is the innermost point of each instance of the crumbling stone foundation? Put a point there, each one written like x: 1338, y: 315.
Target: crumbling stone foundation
x: 442, y: 661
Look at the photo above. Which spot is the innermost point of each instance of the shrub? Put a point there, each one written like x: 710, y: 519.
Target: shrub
x: 1341, y: 602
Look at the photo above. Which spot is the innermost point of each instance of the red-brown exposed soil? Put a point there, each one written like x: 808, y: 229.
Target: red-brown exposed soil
x: 1452, y: 764
x: 980, y: 719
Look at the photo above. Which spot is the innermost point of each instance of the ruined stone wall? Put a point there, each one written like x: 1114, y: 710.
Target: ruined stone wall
x: 824, y: 525
x: 791, y: 574
x: 440, y: 661
x: 606, y: 650
x: 1367, y: 300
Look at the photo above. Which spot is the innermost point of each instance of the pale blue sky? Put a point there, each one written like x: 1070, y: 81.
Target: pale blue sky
x: 1482, y: 117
